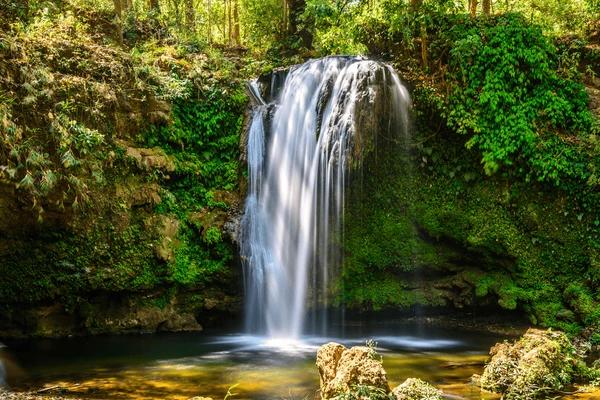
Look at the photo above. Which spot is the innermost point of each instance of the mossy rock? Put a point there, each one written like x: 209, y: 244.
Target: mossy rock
x: 537, y: 364
x: 416, y: 389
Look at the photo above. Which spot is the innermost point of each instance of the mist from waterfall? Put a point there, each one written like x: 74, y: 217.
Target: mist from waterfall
x: 300, y: 150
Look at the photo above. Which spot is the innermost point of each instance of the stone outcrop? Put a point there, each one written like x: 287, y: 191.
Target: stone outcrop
x: 342, y: 369
x: 151, y: 159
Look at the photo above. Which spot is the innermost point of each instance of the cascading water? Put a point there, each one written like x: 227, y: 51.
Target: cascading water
x: 328, y: 114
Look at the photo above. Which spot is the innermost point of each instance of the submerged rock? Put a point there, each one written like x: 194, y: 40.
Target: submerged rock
x: 541, y: 361
x: 413, y: 389
x: 341, y: 370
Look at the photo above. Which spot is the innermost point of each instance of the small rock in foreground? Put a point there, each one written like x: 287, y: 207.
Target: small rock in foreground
x: 414, y: 388
x: 342, y: 369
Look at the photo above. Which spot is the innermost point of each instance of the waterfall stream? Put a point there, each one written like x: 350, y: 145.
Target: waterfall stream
x: 301, y: 148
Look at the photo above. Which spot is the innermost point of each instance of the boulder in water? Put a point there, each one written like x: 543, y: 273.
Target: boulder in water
x: 416, y: 389
x: 328, y: 358
x: 343, y: 370
x: 541, y: 361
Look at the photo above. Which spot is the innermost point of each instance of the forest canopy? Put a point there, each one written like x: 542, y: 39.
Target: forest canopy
x: 327, y: 26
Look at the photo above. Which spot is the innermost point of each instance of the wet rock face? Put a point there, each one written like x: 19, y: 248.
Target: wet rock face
x: 147, y: 319
x: 168, y: 229
x: 342, y: 369
x: 373, y: 108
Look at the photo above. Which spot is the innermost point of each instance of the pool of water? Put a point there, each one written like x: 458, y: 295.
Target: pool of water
x: 181, y: 366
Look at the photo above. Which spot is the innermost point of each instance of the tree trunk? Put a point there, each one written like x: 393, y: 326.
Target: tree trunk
x: 225, y: 23
x: 486, y: 6
x: 296, y: 9
x: 190, y: 16
x: 230, y: 36
x: 209, y: 27
x: 473, y: 7
x: 284, y: 25
x: 119, y: 20
x: 424, y: 46
x: 236, y: 24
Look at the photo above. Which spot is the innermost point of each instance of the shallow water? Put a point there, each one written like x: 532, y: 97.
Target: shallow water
x: 180, y: 366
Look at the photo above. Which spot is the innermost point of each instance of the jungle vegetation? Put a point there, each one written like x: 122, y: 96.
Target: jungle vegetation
x: 504, y: 154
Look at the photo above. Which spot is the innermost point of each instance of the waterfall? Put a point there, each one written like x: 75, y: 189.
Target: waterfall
x: 301, y: 148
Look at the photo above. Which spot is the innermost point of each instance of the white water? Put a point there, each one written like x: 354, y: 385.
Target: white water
x: 328, y: 112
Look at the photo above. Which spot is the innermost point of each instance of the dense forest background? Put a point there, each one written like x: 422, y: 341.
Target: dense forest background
x: 122, y: 157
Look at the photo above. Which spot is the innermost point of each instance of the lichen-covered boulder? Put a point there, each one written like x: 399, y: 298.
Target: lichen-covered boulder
x: 416, y: 389
x: 342, y: 369
x: 541, y: 361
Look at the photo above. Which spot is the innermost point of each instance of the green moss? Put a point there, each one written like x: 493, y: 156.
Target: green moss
x: 426, y: 220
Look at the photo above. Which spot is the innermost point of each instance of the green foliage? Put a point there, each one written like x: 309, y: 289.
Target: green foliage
x: 229, y: 393
x: 516, y: 98
x: 263, y: 22
x: 511, y: 100
x: 213, y: 235
x: 196, y: 264
x: 414, y: 388
x: 71, y: 107
x: 334, y: 24
x: 203, y: 139
x: 390, y: 26
x: 364, y: 391
x: 53, y: 151
x: 582, y: 301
